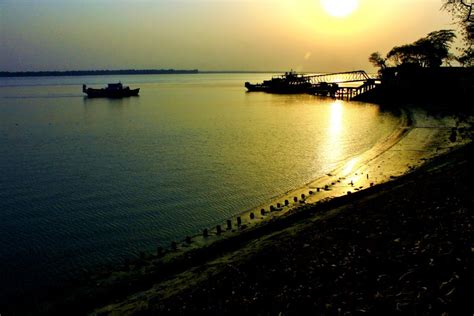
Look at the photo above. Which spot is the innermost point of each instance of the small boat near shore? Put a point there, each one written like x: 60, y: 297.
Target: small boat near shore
x: 113, y: 90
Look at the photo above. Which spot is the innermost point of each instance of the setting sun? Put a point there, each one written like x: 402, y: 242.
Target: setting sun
x: 339, y: 8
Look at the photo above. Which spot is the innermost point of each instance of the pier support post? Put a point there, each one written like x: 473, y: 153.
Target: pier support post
x: 229, y: 224
x: 239, y: 221
x: 218, y: 229
x: 205, y: 233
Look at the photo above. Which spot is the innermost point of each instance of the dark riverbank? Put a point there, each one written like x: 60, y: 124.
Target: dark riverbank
x: 402, y: 247
x: 411, y: 84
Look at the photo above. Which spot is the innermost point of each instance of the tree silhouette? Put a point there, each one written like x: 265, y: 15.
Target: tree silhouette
x: 429, y: 51
x: 463, y: 14
x: 377, y: 60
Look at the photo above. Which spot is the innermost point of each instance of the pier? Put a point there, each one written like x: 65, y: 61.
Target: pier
x: 346, y: 85
x: 341, y: 85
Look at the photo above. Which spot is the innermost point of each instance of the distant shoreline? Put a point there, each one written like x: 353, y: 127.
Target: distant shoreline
x: 96, y: 72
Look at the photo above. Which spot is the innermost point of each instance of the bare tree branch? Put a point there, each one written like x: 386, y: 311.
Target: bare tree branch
x: 461, y: 2
x: 468, y: 19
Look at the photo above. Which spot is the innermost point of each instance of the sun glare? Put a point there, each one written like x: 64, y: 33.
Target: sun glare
x: 339, y: 8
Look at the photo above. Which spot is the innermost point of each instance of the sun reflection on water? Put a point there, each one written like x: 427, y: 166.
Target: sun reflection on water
x: 349, y: 166
x: 334, y: 132
x: 336, y: 113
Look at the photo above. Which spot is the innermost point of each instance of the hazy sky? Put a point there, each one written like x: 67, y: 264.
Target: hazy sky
x: 206, y: 34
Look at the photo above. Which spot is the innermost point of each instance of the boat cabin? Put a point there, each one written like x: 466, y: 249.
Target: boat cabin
x: 115, y: 86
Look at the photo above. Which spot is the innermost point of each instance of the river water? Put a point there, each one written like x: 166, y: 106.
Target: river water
x: 87, y: 182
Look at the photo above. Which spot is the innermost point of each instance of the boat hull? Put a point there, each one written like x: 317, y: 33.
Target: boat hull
x: 291, y: 83
x: 279, y: 88
x: 107, y: 93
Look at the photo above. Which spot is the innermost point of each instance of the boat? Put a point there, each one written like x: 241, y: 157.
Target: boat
x: 290, y: 82
x: 113, y: 90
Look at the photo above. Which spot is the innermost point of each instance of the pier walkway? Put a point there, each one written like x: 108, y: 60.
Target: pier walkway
x: 342, y: 84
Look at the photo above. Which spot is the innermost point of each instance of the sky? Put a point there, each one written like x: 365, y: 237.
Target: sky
x: 215, y: 35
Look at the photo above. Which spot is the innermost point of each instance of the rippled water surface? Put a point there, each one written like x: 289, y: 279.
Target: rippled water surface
x: 86, y: 182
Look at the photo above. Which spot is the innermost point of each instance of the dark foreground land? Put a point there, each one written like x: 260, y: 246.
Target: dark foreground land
x: 403, y: 247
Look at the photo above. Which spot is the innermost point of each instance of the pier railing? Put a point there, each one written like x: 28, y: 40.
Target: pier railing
x: 339, y: 77
x: 343, y: 92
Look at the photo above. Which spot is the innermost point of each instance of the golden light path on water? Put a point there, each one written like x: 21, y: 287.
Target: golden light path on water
x: 336, y: 118
x: 337, y: 131
x: 337, y: 111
